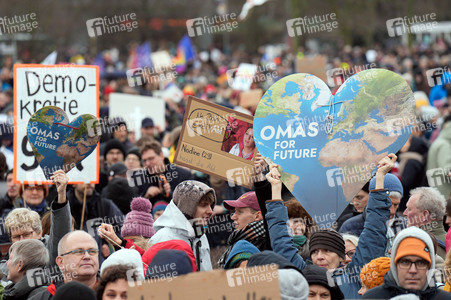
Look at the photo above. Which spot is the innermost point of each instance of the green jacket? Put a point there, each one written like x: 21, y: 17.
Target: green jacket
x: 439, y: 162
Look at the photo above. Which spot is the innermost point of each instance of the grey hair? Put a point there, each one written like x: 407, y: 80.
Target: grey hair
x: 31, y: 252
x: 352, y: 238
x: 395, y: 194
x: 431, y: 200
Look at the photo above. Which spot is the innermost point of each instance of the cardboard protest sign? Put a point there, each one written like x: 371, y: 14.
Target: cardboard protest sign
x: 250, y: 98
x: 315, y: 65
x: 241, y: 78
x: 134, y: 109
x: 59, y: 144
x: 217, y: 141
x: 171, y: 92
x: 255, y: 283
x: 161, y: 59
x: 328, y: 146
x: 75, y: 91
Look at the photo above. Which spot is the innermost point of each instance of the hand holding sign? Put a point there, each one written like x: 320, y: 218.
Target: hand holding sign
x: 58, y: 144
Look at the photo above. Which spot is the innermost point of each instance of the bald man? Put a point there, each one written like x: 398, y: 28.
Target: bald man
x: 78, y: 260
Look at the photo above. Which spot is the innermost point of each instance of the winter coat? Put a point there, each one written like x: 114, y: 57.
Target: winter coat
x: 391, y: 286
x: 173, y: 225
x: 21, y: 290
x: 371, y: 243
x: 439, y: 158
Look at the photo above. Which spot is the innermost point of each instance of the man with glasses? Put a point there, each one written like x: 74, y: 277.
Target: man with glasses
x: 412, y: 267
x: 78, y: 260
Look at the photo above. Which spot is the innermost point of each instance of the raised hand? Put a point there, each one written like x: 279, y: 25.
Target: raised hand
x: 107, y: 230
x: 60, y: 179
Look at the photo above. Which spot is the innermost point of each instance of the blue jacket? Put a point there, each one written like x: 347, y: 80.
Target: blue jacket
x: 371, y: 243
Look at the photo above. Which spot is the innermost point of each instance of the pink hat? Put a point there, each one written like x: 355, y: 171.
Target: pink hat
x: 248, y: 199
x: 139, y: 220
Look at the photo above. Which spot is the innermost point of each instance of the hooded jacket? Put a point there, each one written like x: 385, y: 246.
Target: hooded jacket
x: 391, y: 286
x: 173, y: 225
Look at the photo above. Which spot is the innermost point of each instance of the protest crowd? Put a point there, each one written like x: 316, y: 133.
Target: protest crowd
x: 392, y: 240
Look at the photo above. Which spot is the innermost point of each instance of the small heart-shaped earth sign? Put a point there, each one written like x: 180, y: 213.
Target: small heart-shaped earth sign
x: 58, y: 144
x: 328, y: 146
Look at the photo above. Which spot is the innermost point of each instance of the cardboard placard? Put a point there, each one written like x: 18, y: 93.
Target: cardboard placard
x: 250, y: 98
x: 212, y: 141
x: 244, y: 76
x: 256, y: 283
x: 74, y: 89
x: 315, y: 65
x: 133, y: 109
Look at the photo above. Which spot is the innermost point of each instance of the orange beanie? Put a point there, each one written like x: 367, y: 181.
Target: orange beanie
x: 372, y: 274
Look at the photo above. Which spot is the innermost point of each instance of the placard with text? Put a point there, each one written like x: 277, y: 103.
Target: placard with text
x: 75, y: 90
x: 217, y: 141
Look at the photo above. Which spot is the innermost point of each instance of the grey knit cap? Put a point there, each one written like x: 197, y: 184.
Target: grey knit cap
x: 187, y: 195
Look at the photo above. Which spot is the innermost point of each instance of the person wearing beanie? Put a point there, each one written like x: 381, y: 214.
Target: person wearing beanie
x: 327, y: 247
x: 74, y: 291
x: 137, y: 228
x: 351, y: 243
x: 240, y: 254
x: 248, y: 221
x: 158, y: 209
x: 372, y: 274
x: 159, y: 178
x: 301, y: 226
x: 186, y: 218
x: 129, y: 257
x: 397, y: 223
x: 114, y: 152
x: 133, y: 159
x: 412, y: 265
x: 319, y: 283
x: 168, y: 263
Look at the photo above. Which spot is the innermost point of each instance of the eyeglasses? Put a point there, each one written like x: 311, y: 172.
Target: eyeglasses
x: 25, y: 236
x: 419, y: 264
x: 350, y: 253
x: 34, y: 188
x: 81, y: 252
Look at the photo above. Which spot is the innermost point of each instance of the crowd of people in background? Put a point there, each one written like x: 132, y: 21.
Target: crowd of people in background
x: 392, y: 239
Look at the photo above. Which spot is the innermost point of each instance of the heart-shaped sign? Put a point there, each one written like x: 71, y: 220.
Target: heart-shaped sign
x: 328, y: 146
x: 58, y: 144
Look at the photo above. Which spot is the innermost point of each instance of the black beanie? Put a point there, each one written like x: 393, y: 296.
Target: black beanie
x: 317, y: 275
x: 121, y: 193
x: 327, y: 239
x: 74, y: 290
x: 134, y: 151
x: 114, y: 144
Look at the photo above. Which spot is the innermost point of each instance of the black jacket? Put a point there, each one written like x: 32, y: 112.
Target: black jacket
x: 390, y: 289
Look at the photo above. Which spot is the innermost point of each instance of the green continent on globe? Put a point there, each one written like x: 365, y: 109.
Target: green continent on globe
x: 289, y: 180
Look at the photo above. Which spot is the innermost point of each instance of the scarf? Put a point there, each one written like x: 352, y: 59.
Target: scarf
x: 254, y: 233
x: 299, y: 240
x: 40, y: 208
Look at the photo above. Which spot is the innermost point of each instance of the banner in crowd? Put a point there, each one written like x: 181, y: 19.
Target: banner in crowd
x: 241, y: 78
x: 251, y: 98
x: 73, y: 89
x: 133, y: 109
x: 328, y: 146
x: 217, y: 141
x: 255, y: 283
x: 315, y: 65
